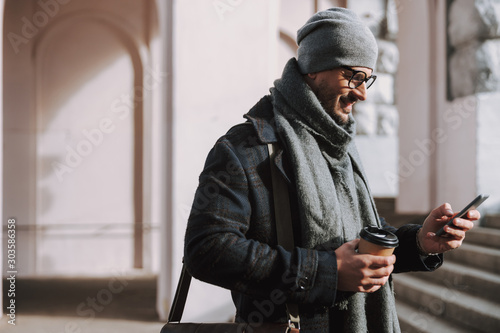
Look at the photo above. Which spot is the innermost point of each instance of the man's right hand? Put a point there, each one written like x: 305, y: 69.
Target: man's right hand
x: 361, y: 272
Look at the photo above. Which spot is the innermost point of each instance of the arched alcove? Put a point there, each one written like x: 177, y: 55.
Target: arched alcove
x: 75, y: 119
x: 88, y: 145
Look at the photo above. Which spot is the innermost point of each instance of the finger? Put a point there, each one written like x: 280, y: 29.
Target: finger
x: 463, y: 224
x: 431, y: 234
x: 371, y: 288
x: 379, y: 281
x: 443, y: 210
x: 454, y: 244
x: 382, y: 261
x: 354, y: 243
x: 473, y: 215
x: 454, y: 232
x: 381, y: 273
x: 368, y: 288
x: 460, y: 224
x: 374, y: 284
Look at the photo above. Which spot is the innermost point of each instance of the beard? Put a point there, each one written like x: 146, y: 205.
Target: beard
x: 330, y: 102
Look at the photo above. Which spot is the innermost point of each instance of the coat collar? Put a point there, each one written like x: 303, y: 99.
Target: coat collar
x: 261, y: 116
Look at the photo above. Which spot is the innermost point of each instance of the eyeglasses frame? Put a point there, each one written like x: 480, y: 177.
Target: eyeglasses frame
x: 365, y: 80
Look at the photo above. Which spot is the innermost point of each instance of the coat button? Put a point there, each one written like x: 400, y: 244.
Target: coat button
x: 303, y: 283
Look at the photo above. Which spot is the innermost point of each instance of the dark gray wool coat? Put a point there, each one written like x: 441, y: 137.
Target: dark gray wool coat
x: 231, y: 239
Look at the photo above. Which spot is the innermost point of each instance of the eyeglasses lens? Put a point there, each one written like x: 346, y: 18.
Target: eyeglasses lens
x: 357, y: 79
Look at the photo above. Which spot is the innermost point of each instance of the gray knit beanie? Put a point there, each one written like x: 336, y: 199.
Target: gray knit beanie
x: 335, y: 37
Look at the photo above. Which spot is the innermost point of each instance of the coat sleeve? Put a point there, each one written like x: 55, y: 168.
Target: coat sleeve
x: 230, y: 237
x: 407, y: 257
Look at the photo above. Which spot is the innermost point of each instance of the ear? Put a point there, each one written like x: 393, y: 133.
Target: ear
x: 312, y: 76
x: 310, y: 79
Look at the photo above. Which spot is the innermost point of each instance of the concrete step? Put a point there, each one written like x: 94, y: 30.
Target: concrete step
x: 446, y: 304
x: 491, y: 221
x: 476, y: 256
x: 386, y: 208
x: 472, y: 281
x: 418, y: 320
x: 120, y: 296
x: 488, y: 237
x: 76, y: 324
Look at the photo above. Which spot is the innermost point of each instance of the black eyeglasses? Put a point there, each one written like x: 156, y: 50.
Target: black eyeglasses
x: 358, y: 77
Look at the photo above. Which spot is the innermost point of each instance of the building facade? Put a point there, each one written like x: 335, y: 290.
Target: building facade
x: 110, y: 108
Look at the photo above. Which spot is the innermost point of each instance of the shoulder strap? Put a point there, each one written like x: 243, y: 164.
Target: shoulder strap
x: 281, y: 197
x: 180, y: 297
x: 283, y: 217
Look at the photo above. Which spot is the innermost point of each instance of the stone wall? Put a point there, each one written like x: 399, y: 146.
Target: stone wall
x: 474, y: 48
x: 378, y: 115
x: 474, y: 74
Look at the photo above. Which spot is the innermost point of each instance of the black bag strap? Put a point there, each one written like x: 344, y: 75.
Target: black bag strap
x: 283, y: 217
x: 180, y: 297
x: 285, y: 238
x: 282, y: 213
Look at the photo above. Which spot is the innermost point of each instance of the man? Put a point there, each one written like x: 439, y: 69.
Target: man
x: 231, y: 238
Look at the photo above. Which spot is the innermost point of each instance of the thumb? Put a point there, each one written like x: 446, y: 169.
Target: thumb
x: 444, y: 210
x: 429, y: 235
x: 353, y: 244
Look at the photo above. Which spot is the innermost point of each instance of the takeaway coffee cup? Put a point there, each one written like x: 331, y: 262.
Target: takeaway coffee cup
x: 377, y: 241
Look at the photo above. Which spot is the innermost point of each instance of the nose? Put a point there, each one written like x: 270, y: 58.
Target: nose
x: 360, y: 92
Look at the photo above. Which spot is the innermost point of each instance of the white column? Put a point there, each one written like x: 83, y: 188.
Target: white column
x: 223, y: 53
x: 488, y: 150
x: 456, y: 127
x: 2, y: 5
x: 438, y: 137
x: 162, y: 175
x: 413, y: 98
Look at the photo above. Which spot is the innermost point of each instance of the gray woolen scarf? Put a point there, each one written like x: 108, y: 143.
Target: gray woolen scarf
x: 333, y: 194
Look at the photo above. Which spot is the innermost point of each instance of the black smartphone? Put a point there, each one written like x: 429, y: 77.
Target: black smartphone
x: 472, y: 205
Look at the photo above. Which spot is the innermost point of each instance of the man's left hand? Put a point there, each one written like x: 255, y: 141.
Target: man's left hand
x: 454, y: 236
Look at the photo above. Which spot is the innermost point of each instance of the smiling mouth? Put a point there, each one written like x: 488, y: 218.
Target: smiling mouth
x: 347, y: 103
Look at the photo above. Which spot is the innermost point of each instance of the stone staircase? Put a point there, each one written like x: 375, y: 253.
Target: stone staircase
x: 461, y: 296
x: 130, y: 297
